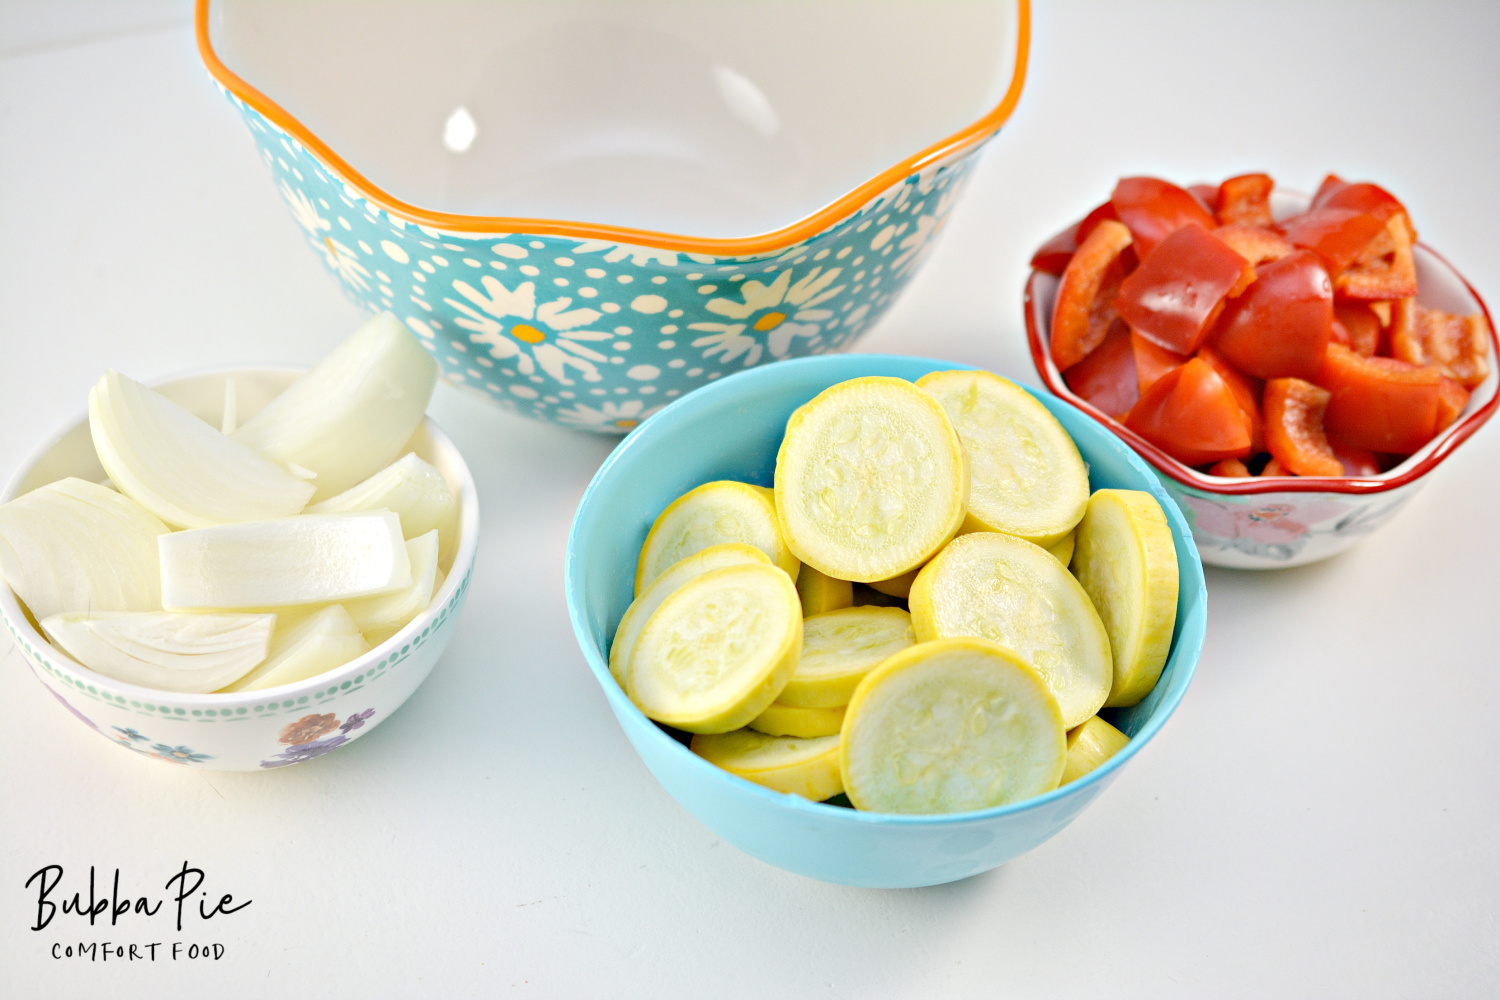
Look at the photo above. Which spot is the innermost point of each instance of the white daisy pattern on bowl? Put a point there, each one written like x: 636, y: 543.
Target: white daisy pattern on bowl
x: 597, y: 333
x: 556, y: 349
x: 782, y: 310
x: 607, y: 416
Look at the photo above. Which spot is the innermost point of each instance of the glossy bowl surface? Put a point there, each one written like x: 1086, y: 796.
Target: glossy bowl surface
x: 680, y: 148
x: 250, y: 730
x: 732, y: 431
x: 1277, y: 522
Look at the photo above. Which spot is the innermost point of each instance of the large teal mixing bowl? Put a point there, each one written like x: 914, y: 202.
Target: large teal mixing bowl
x: 731, y: 430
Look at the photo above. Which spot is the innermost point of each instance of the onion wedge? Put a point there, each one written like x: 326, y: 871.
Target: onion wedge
x: 171, y: 652
x: 306, y: 647
x: 414, y: 491
x: 178, y: 467
x: 353, y: 412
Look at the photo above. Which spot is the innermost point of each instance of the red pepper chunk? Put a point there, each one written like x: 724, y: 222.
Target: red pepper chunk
x: 1247, y: 393
x: 1096, y: 215
x: 1378, y: 403
x: 1154, y: 209
x: 1052, y: 257
x: 1179, y: 288
x: 1204, y: 194
x: 1363, y: 197
x: 1256, y: 244
x: 1357, y: 461
x: 1294, y: 427
x: 1245, y: 200
x: 1452, y: 399
x: 1107, y: 378
x: 1458, y: 347
x: 1384, y: 269
x: 1337, y: 235
x: 1356, y: 326
x: 1230, y: 468
x: 1151, y: 361
x: 1191, y: 415
x: 1085, y: 297
x: 1281, y: 326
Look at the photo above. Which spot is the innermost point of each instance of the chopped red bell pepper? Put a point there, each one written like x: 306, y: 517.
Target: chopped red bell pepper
x: 1274, y: 468
x: 1085, y: 297
x: 1357, y: 327
x: 1191, y: 415
x: 1154, y: 209
x: 1383, y: 270
x: 1458, y: 347
x: 1179, y: 288
x: 1294, y: 427
x: 1280, y: 327
x: 1247, y: 392
x: 1357, y: 461
x: 1053, y: 256
x: 1107, y: 378
x: 1096, y: 215
x: 1152, y: 361
x: 1230, y: 468
x: 1452, y: 399
x: 1362, y: 197
x: 1337, y: 235
x: 1379, y: 403
x: 1256, y: 244
x: 1204, y: 194
x: 1244, y: 200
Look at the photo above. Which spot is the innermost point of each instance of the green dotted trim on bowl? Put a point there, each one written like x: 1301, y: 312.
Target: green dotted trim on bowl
x: 151, y: 709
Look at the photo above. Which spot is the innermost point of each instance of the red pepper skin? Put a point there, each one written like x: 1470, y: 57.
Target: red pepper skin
x: 1377, y: 403
x: 1179, y: 288
x: 1257, y: 244
x: 1457, y: 347
x: 1452, y: 399
x: 1151, y: 361
x: 1337, y: 235
x: 1107, y: 377
x: 1281, y: 326
x: 1384, y: 270
x: 1096, y: 215
x: 1362, y: 197
x: 1191, y: 415
x: 1052, y: 257
x: 1154, y: 209
x: 1085, y: 296
x: 1230, y: 468
x: 1244, y: 200
x: 1204, y: 194
x: 1356, y: 461
x: 1356, y: 327
x: 1294, y: 427
x: 1247, y: 392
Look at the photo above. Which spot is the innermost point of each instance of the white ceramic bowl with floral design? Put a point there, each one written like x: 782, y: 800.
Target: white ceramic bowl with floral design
x: 1277, y: 522
x: 586, y: 209
x: 250, y: 730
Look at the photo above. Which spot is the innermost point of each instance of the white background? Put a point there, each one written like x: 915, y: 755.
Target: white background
x: 1319, y: 819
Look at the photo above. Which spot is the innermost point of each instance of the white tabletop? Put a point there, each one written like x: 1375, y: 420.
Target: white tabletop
x: 1318, y: 819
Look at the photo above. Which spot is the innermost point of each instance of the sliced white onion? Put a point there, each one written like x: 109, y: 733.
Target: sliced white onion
x: 415, y: 491
x: 393, y: 610
x: 178, y: 467
x: 74, y: 546
x: 313, y: 559
x: 171, y: 652
x: 353, y: 412
x: 305, y: 648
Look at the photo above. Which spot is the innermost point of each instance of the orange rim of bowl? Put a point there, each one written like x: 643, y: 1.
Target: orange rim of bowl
x: 964, y: 139
x: 1449, y: 439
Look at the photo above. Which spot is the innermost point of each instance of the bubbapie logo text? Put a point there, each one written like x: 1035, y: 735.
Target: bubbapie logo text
x: 170, y: 926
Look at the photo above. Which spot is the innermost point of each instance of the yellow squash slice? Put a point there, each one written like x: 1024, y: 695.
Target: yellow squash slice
x: 820, y: 593
x: 1127, y: 563
x: 1090, y: 745
x: 950, y: 726
x: 1063, y: 551
x: 897, y: 586
x: 1012, y: 592
x: 839, y: 648
x: 803, y: 723
x: 680, y: 572
x: 1026, y: 476
x: 713, y: 514
x: 718, y: 650
x: 809, y: 768
x: 871, y: 479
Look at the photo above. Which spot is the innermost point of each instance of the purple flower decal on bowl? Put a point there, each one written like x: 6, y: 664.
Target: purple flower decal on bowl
x: 306, y: 751
x: 356, y: 720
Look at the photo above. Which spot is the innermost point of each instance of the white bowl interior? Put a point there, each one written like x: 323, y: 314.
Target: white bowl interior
x: 713, y: 118
x: 1438, y: 287
x: 72, y: 454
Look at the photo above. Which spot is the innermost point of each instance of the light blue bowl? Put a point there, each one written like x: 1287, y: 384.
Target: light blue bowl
x: 731, y: 430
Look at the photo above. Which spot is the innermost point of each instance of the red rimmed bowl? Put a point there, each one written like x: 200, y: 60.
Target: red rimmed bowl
x: 1276, y: 522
